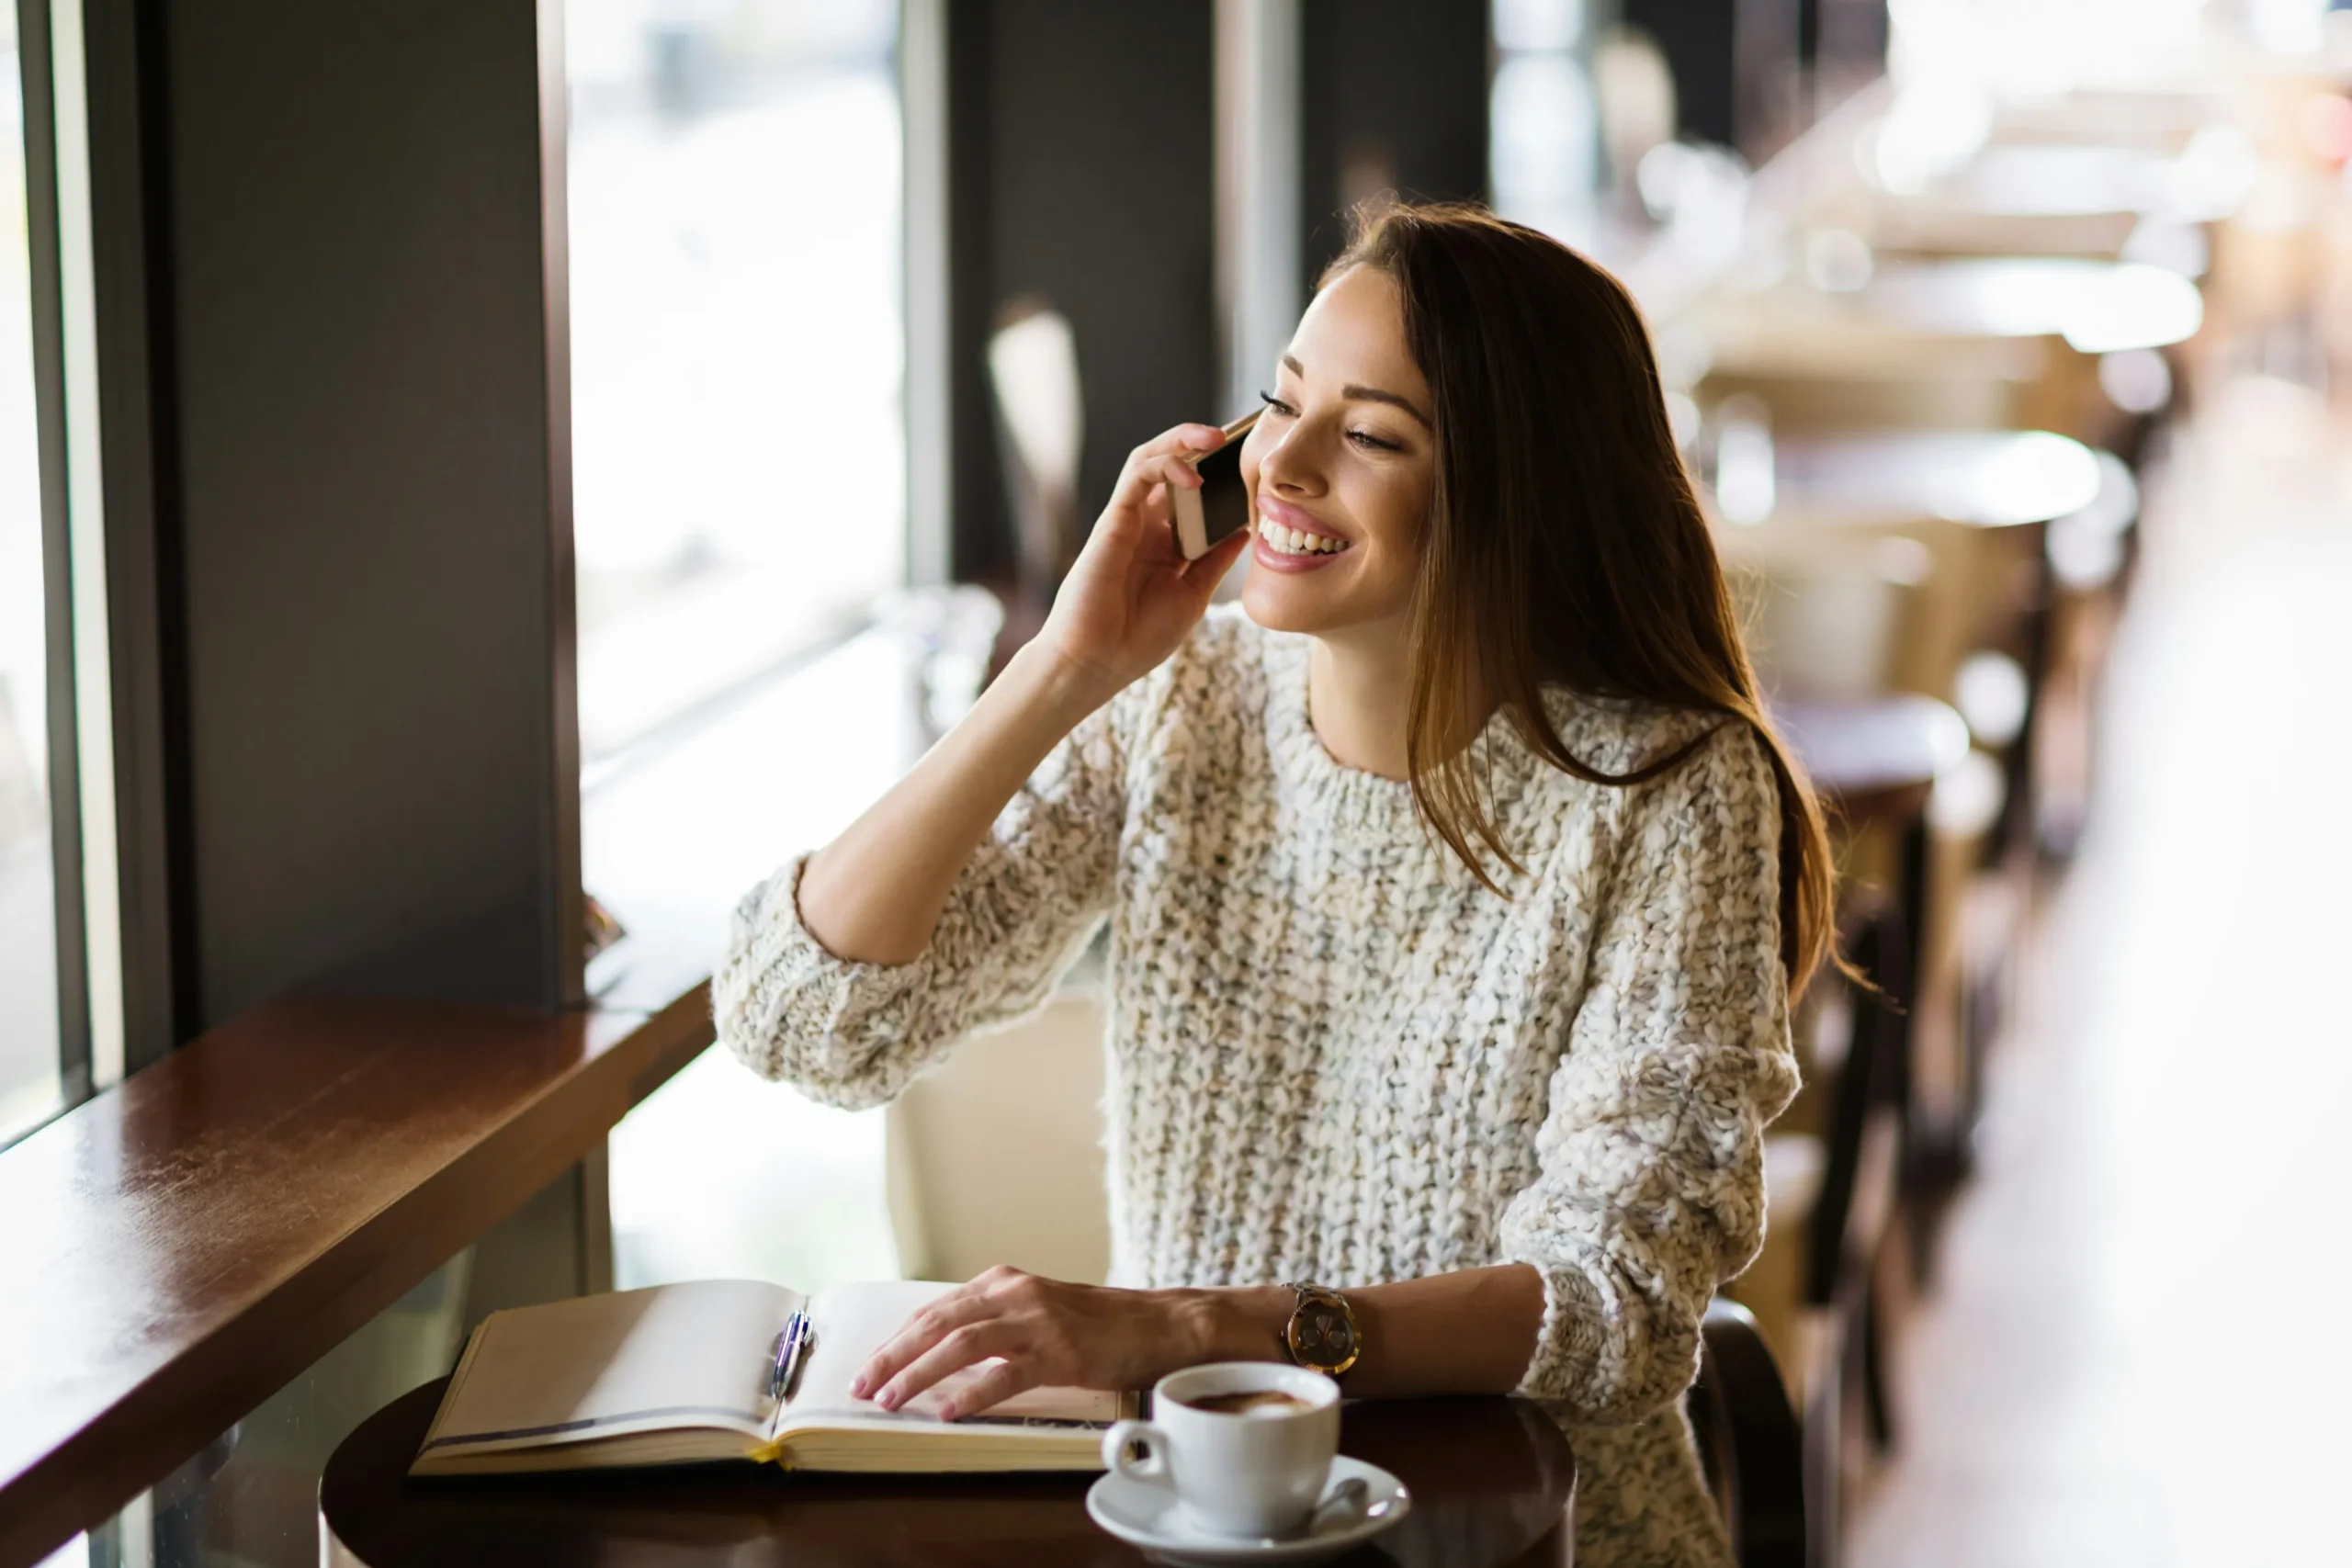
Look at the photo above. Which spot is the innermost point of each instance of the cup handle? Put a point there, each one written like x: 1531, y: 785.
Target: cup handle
x: 1126, y: 1436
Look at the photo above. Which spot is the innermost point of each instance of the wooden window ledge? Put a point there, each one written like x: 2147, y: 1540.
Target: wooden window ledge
x: 185, y: 1244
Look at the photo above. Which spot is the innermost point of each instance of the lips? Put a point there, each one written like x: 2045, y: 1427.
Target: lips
x: 1280, y: 548
x: 1298, y: 520
x: 1291, y: 541
x: 1291, y: 537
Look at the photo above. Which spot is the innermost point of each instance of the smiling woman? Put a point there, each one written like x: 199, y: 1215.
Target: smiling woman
x: 1344, y: 453
x: 1482, y: 728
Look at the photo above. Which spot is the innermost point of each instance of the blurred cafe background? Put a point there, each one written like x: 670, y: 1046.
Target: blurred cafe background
x: 481, y: 483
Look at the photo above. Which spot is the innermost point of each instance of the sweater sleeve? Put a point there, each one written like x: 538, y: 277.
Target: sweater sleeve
x: 854, y: 1034
x: 1650, y: 1190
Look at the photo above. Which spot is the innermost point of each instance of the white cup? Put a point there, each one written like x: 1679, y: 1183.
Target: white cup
x: 1240, y: 1473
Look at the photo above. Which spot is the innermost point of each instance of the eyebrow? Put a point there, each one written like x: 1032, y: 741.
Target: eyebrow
x: 1369, y: 394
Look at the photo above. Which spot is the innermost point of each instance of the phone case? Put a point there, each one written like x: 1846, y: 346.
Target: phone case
x: 1201, y: 518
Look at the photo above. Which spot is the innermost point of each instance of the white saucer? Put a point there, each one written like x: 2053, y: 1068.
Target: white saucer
x: 1146, y: 1514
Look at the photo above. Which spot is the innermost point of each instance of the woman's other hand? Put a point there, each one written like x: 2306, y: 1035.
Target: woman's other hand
x: 1131, y: 596
x: 1047, y: 1333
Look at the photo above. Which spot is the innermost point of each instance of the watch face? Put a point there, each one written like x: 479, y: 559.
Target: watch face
x: 1322, y: 1337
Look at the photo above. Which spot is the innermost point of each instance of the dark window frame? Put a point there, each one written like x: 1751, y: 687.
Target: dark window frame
x: 38, y: 102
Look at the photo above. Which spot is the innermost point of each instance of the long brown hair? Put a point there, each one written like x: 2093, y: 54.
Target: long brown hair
x: 1564, y: 543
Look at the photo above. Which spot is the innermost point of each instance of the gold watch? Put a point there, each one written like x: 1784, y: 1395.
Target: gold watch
x: 1321, y: 1334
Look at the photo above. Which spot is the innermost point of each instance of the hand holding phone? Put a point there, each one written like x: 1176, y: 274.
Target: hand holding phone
x: 1201, y: 518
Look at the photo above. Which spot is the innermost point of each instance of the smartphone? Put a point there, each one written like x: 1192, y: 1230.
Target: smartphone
x: 1201, y: 518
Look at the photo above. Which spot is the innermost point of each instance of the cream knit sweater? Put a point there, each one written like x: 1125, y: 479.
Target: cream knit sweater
x: 1333, y: 1056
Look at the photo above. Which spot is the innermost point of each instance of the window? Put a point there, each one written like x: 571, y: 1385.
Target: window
x: 32, y: 1041
x: 738, y: 444
x: 739, y: 455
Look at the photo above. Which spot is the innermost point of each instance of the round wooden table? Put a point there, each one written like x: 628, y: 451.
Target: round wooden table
x: 1493, y: 1482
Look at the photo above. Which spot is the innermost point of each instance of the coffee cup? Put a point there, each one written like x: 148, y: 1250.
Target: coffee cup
x: 1246, y: 1445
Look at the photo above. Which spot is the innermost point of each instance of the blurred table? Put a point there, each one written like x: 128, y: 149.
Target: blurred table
x: 2061, y: 198
x: 1492, y: 1480
x: 1877, y: 757
x: 1978, y: 343
x: 2096, y: 307
x: 1984, y: 479
x: 2158, y: 118
x: 2050, y: 179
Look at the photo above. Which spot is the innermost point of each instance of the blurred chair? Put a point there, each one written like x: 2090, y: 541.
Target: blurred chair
x: 1748, y: 1441
x: 1882, y: 766
x: 996, y: 1158
x: 1854, y: 1212
x: 1821, y: 1291
x: 1889, y: 562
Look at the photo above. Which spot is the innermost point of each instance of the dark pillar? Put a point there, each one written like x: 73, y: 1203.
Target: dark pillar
x: 1843, y: 44
x: 1080, y: 174
x: 1735, y: 64
x: 355, y: 398
x: 1393, y: 96
x: 333, y: 335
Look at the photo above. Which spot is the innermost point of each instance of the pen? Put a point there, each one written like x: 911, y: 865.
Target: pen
x: 789, y: 1345
x: 800, y: 1352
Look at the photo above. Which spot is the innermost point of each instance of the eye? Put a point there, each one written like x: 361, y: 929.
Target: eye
x: 1366, y: 439
x: 1275, y: 405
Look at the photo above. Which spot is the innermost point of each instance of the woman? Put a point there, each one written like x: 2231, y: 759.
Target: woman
x: 1457, y: 890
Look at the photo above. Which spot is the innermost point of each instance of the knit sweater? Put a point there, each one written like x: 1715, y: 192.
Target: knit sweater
x: 1333, y: 1056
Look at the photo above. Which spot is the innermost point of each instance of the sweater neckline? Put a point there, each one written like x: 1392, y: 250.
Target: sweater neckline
x: 1355, y: 796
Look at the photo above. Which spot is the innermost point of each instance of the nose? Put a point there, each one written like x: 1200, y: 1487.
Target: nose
x: 1289, y: 466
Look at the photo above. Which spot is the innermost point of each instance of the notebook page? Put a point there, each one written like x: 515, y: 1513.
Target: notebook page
x: 854, y: 1321
x: 665, y: 1356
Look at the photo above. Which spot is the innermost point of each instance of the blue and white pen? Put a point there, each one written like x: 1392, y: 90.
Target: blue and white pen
x: 790, y: 1346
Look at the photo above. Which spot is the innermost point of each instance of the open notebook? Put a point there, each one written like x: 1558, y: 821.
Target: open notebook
x: 676, y: 1374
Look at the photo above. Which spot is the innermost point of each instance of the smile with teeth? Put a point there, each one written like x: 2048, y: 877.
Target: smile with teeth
x: 1296, y: 542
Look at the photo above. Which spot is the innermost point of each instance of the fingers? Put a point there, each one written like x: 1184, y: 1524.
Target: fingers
x: 1144, y: 475
x: 926, y: 1328
x: 993, y: 1386
x: 1212, y: 567
x: 1198, y: 578
x: 1185, y: 440
x: 1164, y: 460
x: 961, y: 1347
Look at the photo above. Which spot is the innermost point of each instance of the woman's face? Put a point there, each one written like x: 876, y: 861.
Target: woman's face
x: 1339, y: 469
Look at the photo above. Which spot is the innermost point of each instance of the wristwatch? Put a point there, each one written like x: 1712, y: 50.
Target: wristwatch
x: 1321, y: 1334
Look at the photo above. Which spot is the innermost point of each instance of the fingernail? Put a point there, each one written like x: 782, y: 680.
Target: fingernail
x: 947, y: 1413
x: 857, y: 1386
x: 887, y: 1399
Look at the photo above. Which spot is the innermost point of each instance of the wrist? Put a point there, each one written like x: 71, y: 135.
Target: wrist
x: 1236, y: 1323
x: 1068, y: 687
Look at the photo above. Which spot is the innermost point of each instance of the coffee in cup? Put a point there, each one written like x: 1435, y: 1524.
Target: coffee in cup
x: 1251, y: 1402
x: 1246, y: 1445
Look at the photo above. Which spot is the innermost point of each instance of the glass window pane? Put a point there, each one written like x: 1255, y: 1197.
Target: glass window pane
x: 719, y: 1175
x: 739, y: 461
x: 738, y: 449
x: 29, y: 1010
